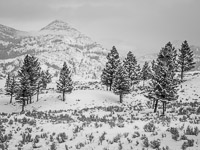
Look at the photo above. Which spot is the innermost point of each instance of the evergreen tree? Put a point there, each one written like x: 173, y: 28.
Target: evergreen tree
x: 64, y: 84
x: 111, y: 66
x: 31, y: 67
x: 138, y: 73
x: 11, y: 85
x: 130, y: 65
x: 46, y: 78
x: 145, y: 72
x: 104, y: 78
x: 185, y: 59
x: 34, y: 74
x: 164, y: 84
x: 24, y: 87
x: 121, y: 82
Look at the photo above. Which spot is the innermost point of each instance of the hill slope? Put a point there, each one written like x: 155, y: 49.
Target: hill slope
x: 53, y: 44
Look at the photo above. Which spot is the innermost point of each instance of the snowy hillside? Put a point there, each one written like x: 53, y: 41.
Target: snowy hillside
x: 53, y: 44
x: 94, y: 119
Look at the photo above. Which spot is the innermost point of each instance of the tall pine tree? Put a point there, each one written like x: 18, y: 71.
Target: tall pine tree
x: 110, y: 69
x: 164, y: 84
x: 121, y: 82
x: 24, y: 87
x: 65, y: 84
x: 34, y: 74
x: 185, y: 59
x: 131, y: 67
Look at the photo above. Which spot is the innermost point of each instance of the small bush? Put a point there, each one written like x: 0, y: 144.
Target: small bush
x: 149, y: 127
x: 155, y: 144
x: 188, y: 143
x: 146, y: 142
x: 192, y: 131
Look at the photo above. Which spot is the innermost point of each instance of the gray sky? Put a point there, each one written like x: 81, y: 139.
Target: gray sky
x: 141, y: 26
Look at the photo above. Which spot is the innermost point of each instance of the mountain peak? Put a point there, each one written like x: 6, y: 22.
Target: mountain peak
x: 57, y: 25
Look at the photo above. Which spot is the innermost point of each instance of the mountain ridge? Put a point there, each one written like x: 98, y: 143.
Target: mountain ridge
x: 52, y: 45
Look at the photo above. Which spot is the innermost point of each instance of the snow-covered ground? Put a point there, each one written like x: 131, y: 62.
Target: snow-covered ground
x: 94, y: 119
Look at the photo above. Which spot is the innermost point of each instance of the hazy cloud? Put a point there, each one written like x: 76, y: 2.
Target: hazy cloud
x: 138, y: 24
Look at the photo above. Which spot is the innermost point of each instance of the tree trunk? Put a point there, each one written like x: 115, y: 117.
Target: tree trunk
x: 11, y: 98
x: 181, y: 74
x: 156, y: 105
x: 120, y: 98
x: 110, y: 87
x: 163, y: 108
x: 143, y: 83
x: 23, y: 104
x: 30, y: 99
x: 37, y: 95
x: 27, y: 101
x: 63, y: 95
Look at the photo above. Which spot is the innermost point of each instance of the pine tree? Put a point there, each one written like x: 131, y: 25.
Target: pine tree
x: 24, y: 87
x: 64, y: 84
x: 11, y: 85
x: 138, y: 74
x: 185, y: 59
x: 34, y: 74
x: 164, y: 84
x: 104, y: 78
x: 130, y: 65
x: 121, y: 82
x: 111, y: 66
x: 145, y: 72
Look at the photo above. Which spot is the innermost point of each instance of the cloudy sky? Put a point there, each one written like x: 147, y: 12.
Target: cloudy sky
x: 141, y: 26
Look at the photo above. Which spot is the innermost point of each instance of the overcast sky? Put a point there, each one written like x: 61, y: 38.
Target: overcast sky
x: 141, y: 26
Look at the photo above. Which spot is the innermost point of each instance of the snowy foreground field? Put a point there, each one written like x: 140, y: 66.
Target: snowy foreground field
x: 95, y: 120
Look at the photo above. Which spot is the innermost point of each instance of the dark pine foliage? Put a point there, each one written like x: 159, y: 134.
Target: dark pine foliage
x: 24, y: 88
x: 130, y: 64
x: 121, y: 82
x: 185, y: 59
x: 110, y: 69
x: 65, y: 84
x: 164, y: 84
x: 33, y: 70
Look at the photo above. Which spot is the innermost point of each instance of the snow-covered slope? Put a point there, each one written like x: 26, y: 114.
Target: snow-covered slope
x: 53, y: 44
x: 94, y: 119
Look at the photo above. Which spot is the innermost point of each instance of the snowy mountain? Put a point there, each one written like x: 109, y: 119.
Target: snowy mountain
x: 53, y: 44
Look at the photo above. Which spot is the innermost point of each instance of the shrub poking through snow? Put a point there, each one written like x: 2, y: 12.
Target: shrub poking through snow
x: 146, y: 142
x: 102, y: 138
x: 175, y: 133
x: 188, y: 143
x: 149, y: 127
x: 155, y: 144
x: 192, y: 131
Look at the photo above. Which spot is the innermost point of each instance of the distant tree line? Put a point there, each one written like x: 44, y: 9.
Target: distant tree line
x: 120, y: 77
